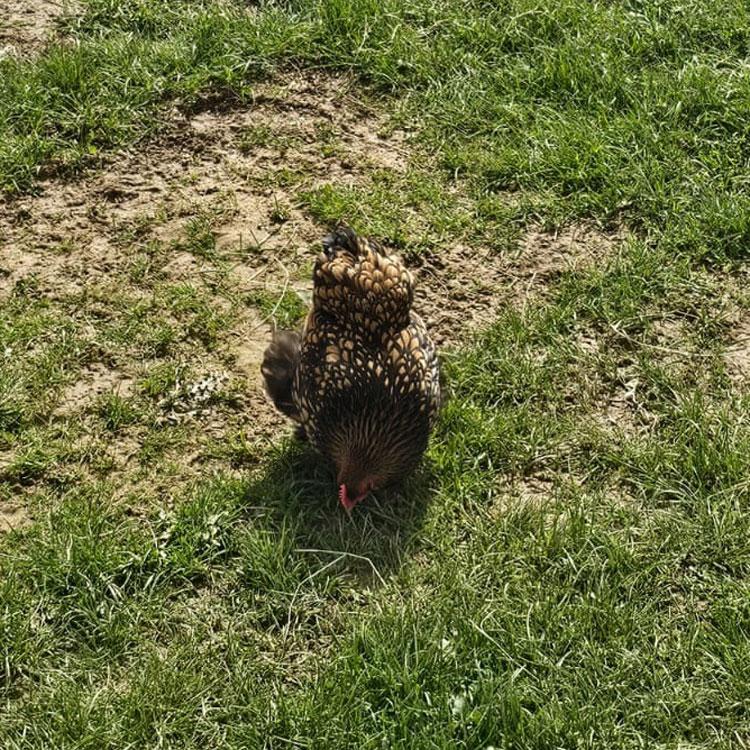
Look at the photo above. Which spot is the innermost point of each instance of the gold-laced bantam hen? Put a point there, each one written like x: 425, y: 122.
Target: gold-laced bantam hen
x: 362, y: 377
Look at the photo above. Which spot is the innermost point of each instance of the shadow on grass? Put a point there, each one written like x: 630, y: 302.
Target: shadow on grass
x: 297, y: 492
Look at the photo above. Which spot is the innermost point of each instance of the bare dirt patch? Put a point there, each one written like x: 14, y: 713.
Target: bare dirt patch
x: 737, y: 355
x: 27, y: 25
x: 543, y: 256
x: 95, y: 381
x: 229, y: 167
x: 462, y: 287
x: 13, y: 516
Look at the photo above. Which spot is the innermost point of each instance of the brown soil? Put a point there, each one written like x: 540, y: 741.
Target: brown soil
x: 13, y: 516
x: 462, y: 287
x: 27, y: 25
x: 738, y: 352
x: 70, y: 235
x: 95, y: 381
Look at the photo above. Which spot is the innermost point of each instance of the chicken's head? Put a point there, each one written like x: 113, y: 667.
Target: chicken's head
x: 350, y: 495
x: 376, y: 449
x: 356, y: 481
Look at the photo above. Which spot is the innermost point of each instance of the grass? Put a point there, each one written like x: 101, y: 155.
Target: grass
x: 286, y: 310
x: 569, y: 568
x: 410, y: 211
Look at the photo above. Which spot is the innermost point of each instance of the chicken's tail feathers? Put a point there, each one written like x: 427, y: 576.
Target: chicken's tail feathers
x: 343, y: 238
x: 278, y: 366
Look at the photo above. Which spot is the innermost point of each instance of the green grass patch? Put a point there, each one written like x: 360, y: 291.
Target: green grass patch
x: 286, y: 310
x: 39, y: 351
x: 403, y: 209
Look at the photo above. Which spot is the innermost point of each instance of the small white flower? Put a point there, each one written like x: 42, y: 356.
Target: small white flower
x: 458, y: 704
x: 447, y: 647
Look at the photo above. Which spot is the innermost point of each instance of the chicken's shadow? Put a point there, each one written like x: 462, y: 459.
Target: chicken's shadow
x: 297, y: 494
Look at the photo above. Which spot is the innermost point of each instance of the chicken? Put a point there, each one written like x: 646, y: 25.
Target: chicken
x: 361, y: 379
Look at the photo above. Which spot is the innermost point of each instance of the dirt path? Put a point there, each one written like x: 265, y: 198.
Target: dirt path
x: 27, y: 25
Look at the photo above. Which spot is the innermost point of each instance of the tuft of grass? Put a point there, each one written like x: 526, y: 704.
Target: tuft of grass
x: 199, y: 318
x: 286, y: 310
x: 199, y: 237
x: 117, y: 411
x: 162, y: 379
x: 262, y: 135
